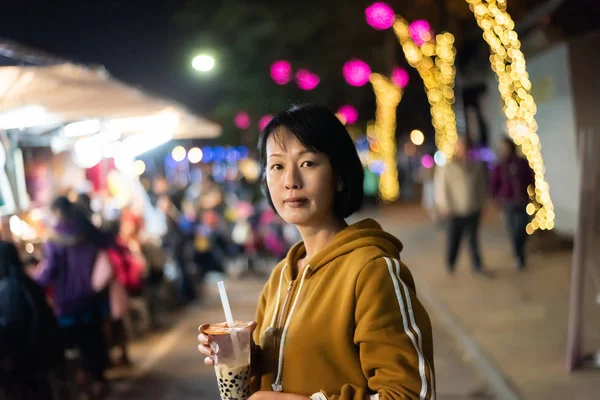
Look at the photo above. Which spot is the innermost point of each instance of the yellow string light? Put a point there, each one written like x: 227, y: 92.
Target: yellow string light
x: 508, y: 62
x: 434, y: 61
x: 388, y: 96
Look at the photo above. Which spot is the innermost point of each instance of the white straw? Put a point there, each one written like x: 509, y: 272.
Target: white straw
x: 226, y: 306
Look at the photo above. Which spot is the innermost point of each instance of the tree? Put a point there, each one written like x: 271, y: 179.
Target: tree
x: 318, y: 35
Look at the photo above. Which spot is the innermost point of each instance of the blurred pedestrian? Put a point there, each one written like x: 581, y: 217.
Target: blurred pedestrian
x: 460, y: 195
x: 70, y: 257
x: 509, y: 182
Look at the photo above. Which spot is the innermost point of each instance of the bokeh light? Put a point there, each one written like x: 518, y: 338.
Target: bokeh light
x: 439, y: 158
x: 417, y: 137
x: 281, y: 72
x: 264, y: 121
x: 380, y: 16
x: 400, y: 77
x: 307, y: 80
x: 207, y: 154
x: 434, y: 61
x: 356, y: 72
x: 410, y: 149
x: 427, y: 161
x: 350, y: 113
x: 178, y: 153
x: 218, y: 154
x: 387, y: 96
x: 508, y: 62
x: 341, y: 118
x: 420, y: 31
x: 243, y: 152
x: 139, y: 167
x: 203, y: 63
x: 195, y: 155
x: 242, y: 120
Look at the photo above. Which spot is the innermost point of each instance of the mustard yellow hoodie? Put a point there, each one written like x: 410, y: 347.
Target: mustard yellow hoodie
x: 350, y: 327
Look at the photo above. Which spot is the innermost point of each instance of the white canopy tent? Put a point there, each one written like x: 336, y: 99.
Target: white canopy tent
x: 37, y: 100
x: 34, y: 97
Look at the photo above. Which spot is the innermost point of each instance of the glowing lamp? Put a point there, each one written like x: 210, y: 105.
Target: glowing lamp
x: 350, y: 113
x: 242, y: 120
x: 281, y: 72
x: 420, y: 32
x: 400, y: 77
x: 357, y: 72
x: 380, y: 16
x: 264, y: 121
x: 306, y: 80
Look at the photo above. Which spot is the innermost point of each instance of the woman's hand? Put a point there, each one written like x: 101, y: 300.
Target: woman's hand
x: 205, y: 343
x: 264, y: 395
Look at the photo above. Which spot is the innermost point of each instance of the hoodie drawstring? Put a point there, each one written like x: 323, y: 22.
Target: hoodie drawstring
x: 278, y: 385
x: 271, y: 329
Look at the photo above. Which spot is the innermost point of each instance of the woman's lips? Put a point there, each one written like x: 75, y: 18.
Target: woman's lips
x: 295, y: 202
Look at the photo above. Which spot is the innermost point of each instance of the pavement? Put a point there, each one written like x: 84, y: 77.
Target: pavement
x: 499, y: 338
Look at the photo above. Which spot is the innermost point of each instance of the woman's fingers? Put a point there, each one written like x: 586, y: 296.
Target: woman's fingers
x: 209, y: 361
x: 203, y: 339
x: 252, y: 326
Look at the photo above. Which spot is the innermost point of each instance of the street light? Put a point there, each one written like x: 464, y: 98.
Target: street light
x: 203, y: 63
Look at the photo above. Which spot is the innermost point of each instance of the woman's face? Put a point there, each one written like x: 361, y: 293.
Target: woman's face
x: 300, y: 181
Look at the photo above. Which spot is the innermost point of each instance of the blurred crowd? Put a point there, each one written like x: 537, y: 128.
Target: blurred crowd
x: 68, y: 310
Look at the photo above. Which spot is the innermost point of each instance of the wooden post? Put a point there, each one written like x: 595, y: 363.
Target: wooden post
x: 588, y: 150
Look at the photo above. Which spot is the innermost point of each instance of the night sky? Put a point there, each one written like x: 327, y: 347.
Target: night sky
x: 137, y: 41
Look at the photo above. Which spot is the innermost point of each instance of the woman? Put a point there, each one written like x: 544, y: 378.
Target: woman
x: 339, y: 317
x: 509, y: 182
x: 70, y: 256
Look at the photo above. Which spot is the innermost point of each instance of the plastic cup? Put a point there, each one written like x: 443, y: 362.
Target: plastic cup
x: 232, y: 348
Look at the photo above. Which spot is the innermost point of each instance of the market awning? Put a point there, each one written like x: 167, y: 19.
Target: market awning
x: 34, y: 97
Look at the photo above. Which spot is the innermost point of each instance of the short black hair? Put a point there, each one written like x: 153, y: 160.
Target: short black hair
x: 320, y: 130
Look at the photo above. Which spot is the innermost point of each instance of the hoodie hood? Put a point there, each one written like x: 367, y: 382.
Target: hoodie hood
x: 364, y: 233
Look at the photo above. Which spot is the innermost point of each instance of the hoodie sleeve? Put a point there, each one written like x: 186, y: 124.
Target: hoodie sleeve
x: 393, y: 332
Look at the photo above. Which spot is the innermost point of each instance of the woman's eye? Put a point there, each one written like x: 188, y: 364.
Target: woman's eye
x: 276, y: 167
x: 308, y: 164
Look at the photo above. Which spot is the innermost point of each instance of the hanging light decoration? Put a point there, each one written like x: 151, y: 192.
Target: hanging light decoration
x: 380, y: 16
x: 264, y: 121
x: 356, y: 72
x: 281, y: 72
x: 350, y: 113
x: 508, y: 62
x: 307, y: 80
x: 420, y: 32
x: 400, y: 77
x: 388, y: 96
x: 434, y: 60
x: 242, y: 120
